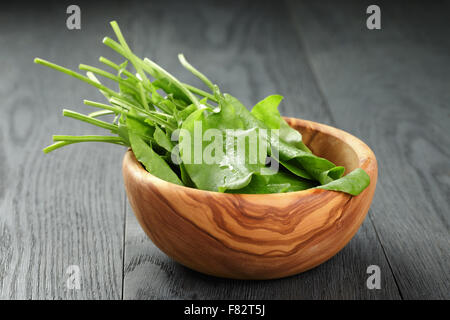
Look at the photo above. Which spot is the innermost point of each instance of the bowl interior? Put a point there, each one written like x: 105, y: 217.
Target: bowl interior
x: 329, y: 146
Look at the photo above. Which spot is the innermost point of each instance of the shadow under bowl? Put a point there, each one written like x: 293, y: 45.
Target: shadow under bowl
x: 255, y: 236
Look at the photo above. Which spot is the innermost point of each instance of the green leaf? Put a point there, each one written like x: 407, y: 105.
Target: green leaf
x: 133, y: 96
x: 294, y: 166
x: 227, y: 170
x: 353, y: 183
x: 332, y: 174
x: 183, y: 114
x: 267, y: 112
x: 152, y: 162
x: 185, y: 177
x: 303, y: 160
x: 276, y: 183
x: 143, y: 129
x: 123, y: 131
x: 231, y: 174
x: 170, y: 88
x: 162, y: 139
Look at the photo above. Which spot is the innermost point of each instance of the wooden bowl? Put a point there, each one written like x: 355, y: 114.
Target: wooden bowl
x: 249, y: 236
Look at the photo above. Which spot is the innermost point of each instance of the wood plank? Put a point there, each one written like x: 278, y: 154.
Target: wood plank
x: 66, y: 208
x: 252, y: 51
x: 391, y: 88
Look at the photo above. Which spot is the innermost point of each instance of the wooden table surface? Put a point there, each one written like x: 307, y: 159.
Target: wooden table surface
x: 390, y: 87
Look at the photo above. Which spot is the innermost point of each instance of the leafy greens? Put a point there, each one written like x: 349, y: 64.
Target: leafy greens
x: 153, y: 110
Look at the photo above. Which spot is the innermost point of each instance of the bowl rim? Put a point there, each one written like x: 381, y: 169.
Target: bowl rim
x: 362, y: 150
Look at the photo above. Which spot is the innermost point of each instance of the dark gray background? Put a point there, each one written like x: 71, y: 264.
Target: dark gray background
x: 389, y: 87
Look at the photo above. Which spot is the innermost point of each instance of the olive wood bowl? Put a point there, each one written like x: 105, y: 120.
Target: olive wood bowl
x: 255, y: 236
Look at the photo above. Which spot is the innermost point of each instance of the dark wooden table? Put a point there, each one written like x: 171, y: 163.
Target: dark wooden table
x: 390, y: 87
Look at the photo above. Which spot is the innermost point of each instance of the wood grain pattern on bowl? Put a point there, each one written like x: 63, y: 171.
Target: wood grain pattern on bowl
x: 245, y: 236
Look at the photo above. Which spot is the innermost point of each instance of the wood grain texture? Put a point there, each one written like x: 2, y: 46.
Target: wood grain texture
x: 391, y: 88
x: 66, y: 208
x: 255, y: 236
x: 251, y: 50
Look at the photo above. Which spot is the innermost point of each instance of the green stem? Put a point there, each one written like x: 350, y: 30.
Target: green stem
x: 128, y: 52
x: 61, y: 144
x: 109, y: 63
x: 90, y: 138
x: 99, y: 113
x: 116, y: 67
x: 57, y: 145
x: 196, y: 73
x: 200, y: 92
x: 116, y: 110
x: 93, y: 121
x: 152, y: 115
x: 76, y: 75
x: 107, y: 75
x: 143, y: 95
x: 100, y: 105
x: 114, y: 45
x: 141, y: 92
x: 95, y: 79
x: 152, y: 68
